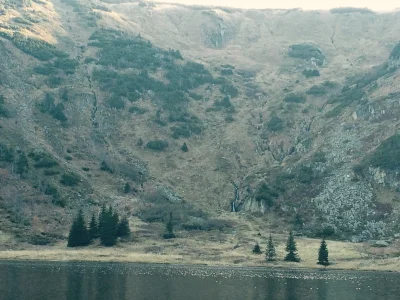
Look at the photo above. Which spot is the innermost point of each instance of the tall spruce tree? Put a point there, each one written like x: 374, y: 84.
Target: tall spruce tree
x: 123, y: 228
x: 93, y: 228
x: 102, y: 216
x: 170, y: 228
x: 323, y: 254
x: 108, y: 228
x: 270, y: 252
x: 291, y: 249
x: 78, y: 235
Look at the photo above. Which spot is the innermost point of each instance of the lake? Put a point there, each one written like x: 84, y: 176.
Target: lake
x: 118, y: 281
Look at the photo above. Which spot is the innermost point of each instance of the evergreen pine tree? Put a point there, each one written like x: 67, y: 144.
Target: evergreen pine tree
x: 78, y: 235
x: 108, y: 228
x: 270, y: 252
x: 184, y: 147
x: 22, y: 164
x: 291, y: 249
x: 170, y: 229
x: 102, y: 216
x: 93, y: 228
x: 257, y: 249
x: 123, y: 228
x: 323, y: 254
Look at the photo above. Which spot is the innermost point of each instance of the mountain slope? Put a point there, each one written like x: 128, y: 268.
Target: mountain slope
x: 282, y: 112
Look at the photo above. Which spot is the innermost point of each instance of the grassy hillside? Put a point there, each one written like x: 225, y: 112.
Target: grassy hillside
x: 287, y: 116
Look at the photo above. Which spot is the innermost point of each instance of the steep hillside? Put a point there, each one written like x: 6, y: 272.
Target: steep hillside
x: 287, y: 115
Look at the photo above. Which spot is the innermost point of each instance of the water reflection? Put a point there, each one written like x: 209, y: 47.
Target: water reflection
x: 50, y: 281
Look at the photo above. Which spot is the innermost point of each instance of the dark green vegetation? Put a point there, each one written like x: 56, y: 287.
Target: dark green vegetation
x: 310, y: 73
x: 157, y: 145
x: 257, y: 249
x: 55, y: 110
x: 78, y: 235
x: 275, y: 123
x: 307, y: 52
x: 323, y: 254
x: 291, y: 249
x: 295, y: 98
x: 270, y: 253
x: 169, y: 228
x: 70, y: 179
x: 3, y: 110
x: 185, y: 148
x: 37, y: 48
x: 124, y: 53
x: 108, y: 228
x: 348, y: 10
x: 387, y: 155
x: 265, y: 194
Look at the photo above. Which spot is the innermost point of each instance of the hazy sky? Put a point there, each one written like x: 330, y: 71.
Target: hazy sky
x: 378, y: 5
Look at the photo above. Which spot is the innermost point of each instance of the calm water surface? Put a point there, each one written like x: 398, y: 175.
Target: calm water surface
x: 112, y: 281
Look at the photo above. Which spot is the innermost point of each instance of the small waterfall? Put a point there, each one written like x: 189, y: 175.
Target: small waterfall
x: 233, y: 206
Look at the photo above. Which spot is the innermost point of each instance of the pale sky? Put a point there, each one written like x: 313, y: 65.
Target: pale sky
x: 377, y: 5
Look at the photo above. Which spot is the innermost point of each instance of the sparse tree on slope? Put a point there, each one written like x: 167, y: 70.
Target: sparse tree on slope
x: 323, y: 254
x: 78, y: 235
x: 291, y: 249
x: 257, y: 249
x: 170, y: 229
x: 270, y: 252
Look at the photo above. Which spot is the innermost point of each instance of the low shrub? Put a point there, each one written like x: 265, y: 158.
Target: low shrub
x: 311, y: 73
x: 51, y: 172
x: 138, y: 110
x: 306, y: 51
x: 157, y: 145
x: 275, y: 123
x: 316, y: 90
x: 295, y: 98
x: 70, y: 179
x: 116, y: 102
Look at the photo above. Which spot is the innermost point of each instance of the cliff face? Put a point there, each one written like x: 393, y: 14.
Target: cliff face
x: 289, y: 113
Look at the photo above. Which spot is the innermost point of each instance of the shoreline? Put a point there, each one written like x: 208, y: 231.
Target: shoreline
x: 118, y: 255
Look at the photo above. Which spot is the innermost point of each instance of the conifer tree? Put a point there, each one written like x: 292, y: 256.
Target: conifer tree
x: 270, y: 252
x: 257, y: 249
x: 22, y: 164
x: 323, y: 254
x: 102, y: 216
x: 291, y: 249
x: 123, y: 228
x: 108, y: 227
x: 93, y: 228
x: 78, y: 235
x: 170, y: 229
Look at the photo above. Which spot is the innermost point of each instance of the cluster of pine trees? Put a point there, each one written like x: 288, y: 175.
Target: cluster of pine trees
x: 291, y: 249
x: 107, y: 227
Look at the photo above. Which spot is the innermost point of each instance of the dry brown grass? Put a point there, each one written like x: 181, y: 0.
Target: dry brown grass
x: 215, y: 249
